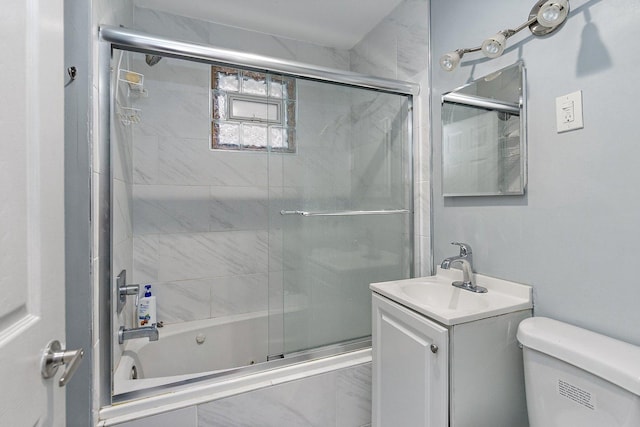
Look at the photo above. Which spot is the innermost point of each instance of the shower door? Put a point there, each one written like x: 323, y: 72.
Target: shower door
x: 345, y: 212
x: 257, y: 206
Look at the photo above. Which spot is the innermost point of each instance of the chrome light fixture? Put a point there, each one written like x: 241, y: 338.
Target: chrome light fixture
x: 494, y: 45
x: 450, y: 61
x: 552, y: 13
x: 545, y: 17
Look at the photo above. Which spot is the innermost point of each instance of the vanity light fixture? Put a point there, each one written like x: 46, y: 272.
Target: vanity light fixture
x: 494, y: 45
x: 545, y: 17
x: 553, y: 13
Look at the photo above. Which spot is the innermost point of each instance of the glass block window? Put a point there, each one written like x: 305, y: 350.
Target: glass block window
x: 252, y: 110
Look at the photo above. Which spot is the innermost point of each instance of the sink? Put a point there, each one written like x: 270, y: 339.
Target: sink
x: 445, y: 297
x: 435, y: 297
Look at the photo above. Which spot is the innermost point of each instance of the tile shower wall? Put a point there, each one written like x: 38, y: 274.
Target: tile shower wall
x: 208, y: 234
x: 398, y: 48
x: 200, y: 217
x: 193, y: 30
x: 178, y: 190
x: 339, y: 398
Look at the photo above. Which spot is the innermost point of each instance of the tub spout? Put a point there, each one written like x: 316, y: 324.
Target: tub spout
x: 150, y: 332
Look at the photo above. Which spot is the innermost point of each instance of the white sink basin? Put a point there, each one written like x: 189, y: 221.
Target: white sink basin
x: 434, y: 297
x: 445, y: 297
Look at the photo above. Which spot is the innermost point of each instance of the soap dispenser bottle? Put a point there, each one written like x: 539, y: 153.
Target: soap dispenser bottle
x: 147, y: 308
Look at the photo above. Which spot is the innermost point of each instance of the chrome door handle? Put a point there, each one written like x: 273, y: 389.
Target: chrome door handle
x: 54, y: 356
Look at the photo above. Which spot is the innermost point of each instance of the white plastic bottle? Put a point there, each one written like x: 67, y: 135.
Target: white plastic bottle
x: 147, y: 308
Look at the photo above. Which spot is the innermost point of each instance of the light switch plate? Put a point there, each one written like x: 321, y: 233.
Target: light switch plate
x: 569, y: 112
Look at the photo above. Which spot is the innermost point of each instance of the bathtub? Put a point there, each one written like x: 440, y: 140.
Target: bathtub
x: 192, y: 349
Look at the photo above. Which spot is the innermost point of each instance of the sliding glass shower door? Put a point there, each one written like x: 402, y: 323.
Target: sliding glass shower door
x: 344, y: 219
x: 257, y: 206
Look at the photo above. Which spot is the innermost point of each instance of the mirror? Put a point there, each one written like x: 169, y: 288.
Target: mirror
x: 484, y: 136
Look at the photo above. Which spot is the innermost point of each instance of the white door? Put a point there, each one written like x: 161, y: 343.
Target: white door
x: 410, y: 368
x: 31, y: 209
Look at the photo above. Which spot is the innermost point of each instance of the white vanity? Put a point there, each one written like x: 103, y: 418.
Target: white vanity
x: 444, y: 356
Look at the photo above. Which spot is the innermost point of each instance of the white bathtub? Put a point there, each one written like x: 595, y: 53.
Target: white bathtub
x: 227, y: 343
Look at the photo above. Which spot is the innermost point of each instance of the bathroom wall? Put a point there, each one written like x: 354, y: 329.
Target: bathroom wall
x: 574, y: 235
x: 217, y: 212
x: 184, y: 192
x: 207, y: 227
x: 398, y: 48
x: 78, y: 292
x: 193, y: 30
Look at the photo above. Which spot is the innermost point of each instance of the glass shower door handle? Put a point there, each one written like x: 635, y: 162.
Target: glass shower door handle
x: 346, y: 213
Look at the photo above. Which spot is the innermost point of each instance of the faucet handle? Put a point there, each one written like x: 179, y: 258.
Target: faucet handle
x: 465, y: 248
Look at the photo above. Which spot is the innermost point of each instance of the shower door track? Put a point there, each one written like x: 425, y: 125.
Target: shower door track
x: 347, y: 213
x: 274, y: 362
x: 124, y: 38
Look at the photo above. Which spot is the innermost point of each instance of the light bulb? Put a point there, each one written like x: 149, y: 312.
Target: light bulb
x: 494, y: 46
x: 553, y: 13
x: 449, y: 61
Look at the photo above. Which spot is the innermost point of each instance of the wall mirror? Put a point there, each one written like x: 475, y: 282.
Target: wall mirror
x: 484, y: 136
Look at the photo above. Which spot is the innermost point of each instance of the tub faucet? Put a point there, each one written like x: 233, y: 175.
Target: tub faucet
x: 465, y: 260
x: 145, y: 331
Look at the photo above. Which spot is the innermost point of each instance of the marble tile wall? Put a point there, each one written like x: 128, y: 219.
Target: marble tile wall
x: 199, y: 217
x: 194, y: 30
x: 381, y: 178
x: 339, y: 398
x: 186, y: 197
x: 207, y: 230
x: 398, y: 48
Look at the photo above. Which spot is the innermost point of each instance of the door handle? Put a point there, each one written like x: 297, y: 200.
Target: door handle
x: 54, y: 356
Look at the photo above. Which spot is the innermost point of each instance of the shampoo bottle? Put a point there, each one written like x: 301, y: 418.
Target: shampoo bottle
x: 147, y: 308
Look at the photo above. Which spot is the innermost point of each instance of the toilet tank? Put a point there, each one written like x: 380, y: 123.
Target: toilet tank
x: 575, y: 377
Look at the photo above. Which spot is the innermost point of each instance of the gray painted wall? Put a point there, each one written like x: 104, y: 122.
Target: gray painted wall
x: 574, y: 235
x: 77, y: 231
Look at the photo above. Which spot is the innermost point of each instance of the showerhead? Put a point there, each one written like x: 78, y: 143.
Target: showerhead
x: 152, y: 60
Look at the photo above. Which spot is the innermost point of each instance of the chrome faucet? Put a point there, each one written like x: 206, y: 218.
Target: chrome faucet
x: 465, y: 253
x: 465, y: 259
x: 145, y: 331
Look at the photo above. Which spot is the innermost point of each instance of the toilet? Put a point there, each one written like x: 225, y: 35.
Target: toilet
x: 575, y: 377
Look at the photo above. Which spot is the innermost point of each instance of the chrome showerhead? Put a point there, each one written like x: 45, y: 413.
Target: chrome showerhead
x: 152, y: 60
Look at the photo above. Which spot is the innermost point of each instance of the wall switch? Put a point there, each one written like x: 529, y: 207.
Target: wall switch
x: 569, y: 112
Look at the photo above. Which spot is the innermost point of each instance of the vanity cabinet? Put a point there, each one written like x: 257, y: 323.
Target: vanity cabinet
x: 427, y: 374
x: 410, y: 367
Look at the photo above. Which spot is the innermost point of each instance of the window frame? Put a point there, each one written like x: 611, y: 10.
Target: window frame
x: 222, y: 97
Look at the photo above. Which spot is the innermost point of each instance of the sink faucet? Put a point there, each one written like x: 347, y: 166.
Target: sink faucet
x: 465, y: 260
x: 465, y: 253
x: 145, y: 331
